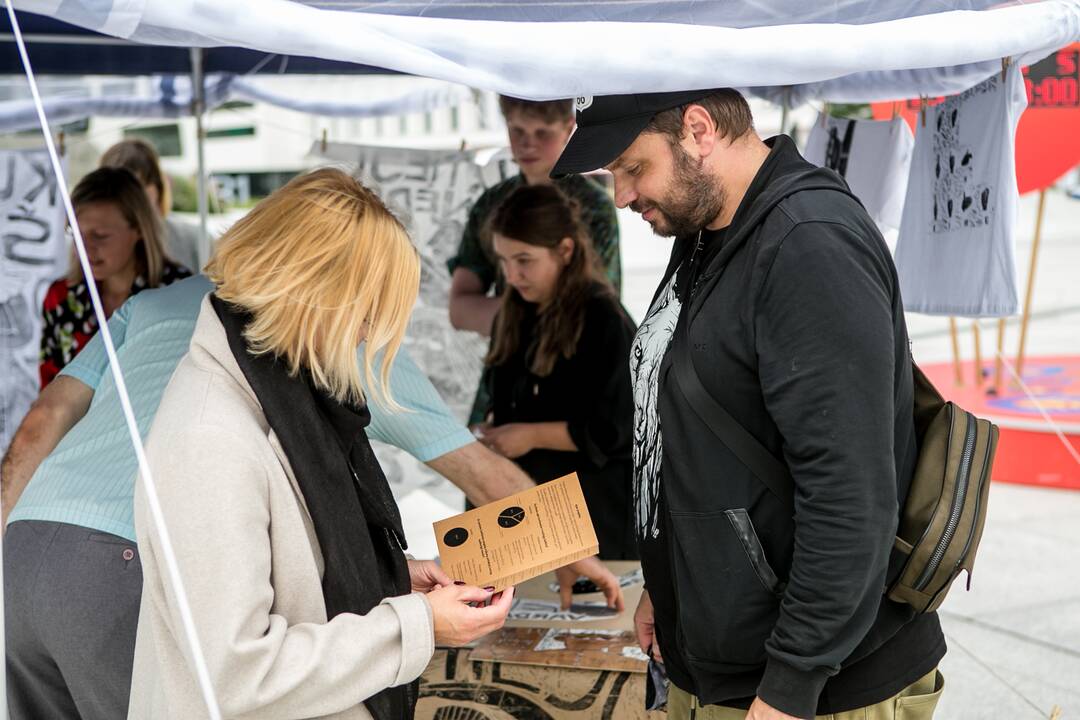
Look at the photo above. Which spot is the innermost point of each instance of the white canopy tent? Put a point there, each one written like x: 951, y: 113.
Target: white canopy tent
x: 840, y: 51
x: 786, y: 51
x: 849, y: 50
x: 171, y: 97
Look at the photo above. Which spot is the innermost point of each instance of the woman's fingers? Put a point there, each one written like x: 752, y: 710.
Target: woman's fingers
x: 504, y: 600
x: 471, y: 593
x: 437, y: 574
x: 426, y: 575
x: 458, y: 622
x: 494, y: 615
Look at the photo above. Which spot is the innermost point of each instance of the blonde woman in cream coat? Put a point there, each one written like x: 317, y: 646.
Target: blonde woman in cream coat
x: 287, y: 538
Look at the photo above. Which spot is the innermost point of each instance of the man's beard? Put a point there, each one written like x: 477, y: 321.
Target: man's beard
x: 693, y: 199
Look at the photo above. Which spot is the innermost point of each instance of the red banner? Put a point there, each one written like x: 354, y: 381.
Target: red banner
x: 1048, y: 136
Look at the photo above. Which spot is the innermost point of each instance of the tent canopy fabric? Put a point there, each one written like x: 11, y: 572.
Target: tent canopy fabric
x: 62, y: 49
x: 846, y: 50
x: 693, y: 12
x: 171, y: 97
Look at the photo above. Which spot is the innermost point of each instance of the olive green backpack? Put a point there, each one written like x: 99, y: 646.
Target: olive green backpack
x: 942, y: 518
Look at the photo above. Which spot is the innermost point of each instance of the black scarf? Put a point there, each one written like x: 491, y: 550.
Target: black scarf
x: 355, y: 517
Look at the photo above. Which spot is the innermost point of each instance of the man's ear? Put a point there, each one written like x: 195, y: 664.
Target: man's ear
x: 700, y: 129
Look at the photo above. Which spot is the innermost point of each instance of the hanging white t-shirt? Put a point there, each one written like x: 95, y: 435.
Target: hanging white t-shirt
x: 873, y: 156
x: 955, y: 254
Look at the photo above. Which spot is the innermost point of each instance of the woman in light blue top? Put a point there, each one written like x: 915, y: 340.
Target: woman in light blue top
x: 72, y: 526
x: 73, y: 579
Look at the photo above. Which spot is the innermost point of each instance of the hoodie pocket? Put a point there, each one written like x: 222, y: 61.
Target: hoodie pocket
x: 728, y: 595
x: 744, y: 530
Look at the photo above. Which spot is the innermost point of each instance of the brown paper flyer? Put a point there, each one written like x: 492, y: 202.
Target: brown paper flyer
x: 519, y: 537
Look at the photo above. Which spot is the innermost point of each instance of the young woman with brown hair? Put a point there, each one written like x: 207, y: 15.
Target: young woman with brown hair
x: 124, y: 243
x: 559, y: 361
x: 141, y: 159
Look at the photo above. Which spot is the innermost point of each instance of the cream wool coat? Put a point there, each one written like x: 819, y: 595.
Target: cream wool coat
x: 251, y: 564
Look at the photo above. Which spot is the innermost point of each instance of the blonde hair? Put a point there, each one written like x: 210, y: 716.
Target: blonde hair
x: 316, y: 264
x: 119, y: 187
x: 140, y: 157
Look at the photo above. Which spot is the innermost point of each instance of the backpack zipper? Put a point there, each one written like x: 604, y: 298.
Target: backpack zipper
x: 957, y: 507
x: 983, y: 479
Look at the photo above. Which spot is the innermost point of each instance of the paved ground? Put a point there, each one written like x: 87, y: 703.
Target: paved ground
x: 1014, y: 640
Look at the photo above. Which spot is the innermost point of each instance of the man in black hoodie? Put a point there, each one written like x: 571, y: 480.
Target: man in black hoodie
x: 782, y: 300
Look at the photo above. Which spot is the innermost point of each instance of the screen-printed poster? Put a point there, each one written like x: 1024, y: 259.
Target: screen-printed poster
x: 431, y: 191
x: 33, y: 254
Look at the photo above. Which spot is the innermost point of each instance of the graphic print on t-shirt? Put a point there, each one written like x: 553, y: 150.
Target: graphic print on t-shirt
x: 959, y: 201
x: 955, y: 254
x: 646, y: 354
x: 837, y: 150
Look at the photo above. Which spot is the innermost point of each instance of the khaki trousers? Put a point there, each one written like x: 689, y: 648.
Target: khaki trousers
x: 915, y: 702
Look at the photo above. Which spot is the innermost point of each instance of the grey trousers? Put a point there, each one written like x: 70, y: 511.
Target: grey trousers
x: 71, y: 597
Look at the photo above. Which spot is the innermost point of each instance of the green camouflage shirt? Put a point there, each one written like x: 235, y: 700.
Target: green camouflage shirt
x: 597, y: 212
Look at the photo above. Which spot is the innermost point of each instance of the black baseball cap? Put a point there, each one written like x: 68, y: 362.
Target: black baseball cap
x: 608, y: 124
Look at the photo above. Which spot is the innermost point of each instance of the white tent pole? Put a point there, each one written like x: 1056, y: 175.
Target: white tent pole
x: 198, y: 108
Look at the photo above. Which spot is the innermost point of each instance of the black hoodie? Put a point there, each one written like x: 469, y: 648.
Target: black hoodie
x: 797, y: 329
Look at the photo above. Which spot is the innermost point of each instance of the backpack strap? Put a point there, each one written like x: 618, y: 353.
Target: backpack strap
x: 768, y: 469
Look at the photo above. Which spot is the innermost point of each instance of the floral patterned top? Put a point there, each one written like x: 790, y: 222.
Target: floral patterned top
x: 70, y: 322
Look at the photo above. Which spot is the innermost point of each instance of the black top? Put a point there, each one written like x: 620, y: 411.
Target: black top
x: 591, y: 392
x: 797, y: 329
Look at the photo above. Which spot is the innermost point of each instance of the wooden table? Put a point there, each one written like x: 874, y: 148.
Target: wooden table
x: 543, y: 669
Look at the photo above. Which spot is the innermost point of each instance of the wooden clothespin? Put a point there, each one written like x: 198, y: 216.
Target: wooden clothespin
x: 1005, y: 63
x: 922, y: 110
x: 322, y: 143
x: 60, y: 143
x: 825, y: 115
x: 895, y: 110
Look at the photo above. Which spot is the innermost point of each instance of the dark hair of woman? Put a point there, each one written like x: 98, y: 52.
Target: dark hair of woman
x: 540, y: 215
